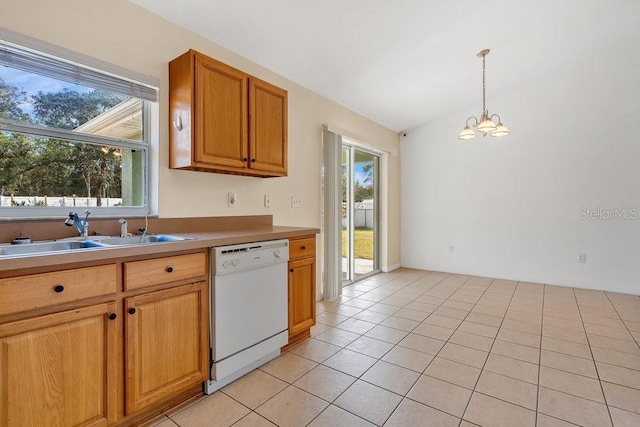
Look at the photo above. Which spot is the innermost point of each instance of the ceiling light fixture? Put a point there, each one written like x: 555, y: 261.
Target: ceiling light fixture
x: 485, y: 125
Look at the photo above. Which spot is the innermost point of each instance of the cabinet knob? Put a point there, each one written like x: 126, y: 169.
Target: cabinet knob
x: 291, y: 270
x: 113, y: 316
x: 132, y: 310
x: 253, y: 160
x: 169, y: 269
x: 245, y: 160
x: 58, y: 288
x: 303, y: 247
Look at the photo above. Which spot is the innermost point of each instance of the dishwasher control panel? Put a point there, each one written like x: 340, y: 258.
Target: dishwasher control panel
x: 228, y: 259
x: 230, y: 263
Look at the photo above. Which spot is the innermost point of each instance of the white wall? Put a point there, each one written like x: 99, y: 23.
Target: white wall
x: 511, y: 206
x: 126, y: 35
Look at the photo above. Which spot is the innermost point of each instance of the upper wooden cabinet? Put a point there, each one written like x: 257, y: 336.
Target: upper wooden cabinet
x: 267, y: 128
x: 224, y: 120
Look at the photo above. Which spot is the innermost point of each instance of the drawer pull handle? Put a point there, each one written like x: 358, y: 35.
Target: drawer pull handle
x: 113, y: 316
x: 58, y: 288
x: 303, y: 247
x: 291, y: 270
x: 169, y: 269
x: 178, y: 123
x: 132, y: 310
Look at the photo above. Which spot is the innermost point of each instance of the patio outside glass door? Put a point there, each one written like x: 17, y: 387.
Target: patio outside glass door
x: 359, y: 225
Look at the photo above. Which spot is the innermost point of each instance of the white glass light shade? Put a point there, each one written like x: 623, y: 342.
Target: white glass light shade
x: 486, y: 126
x: 500, y: 131
x: 467, y: 133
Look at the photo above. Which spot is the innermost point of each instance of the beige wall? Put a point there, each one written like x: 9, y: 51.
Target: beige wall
x: 524, y: 207
x: 123, y: 34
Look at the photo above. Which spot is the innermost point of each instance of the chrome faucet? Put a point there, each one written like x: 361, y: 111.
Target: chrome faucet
x: 123, y: 227
x: 81, y: 224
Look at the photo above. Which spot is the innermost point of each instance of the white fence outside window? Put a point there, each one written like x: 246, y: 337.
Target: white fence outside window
x: 58, y: 201
x: 362, y: 215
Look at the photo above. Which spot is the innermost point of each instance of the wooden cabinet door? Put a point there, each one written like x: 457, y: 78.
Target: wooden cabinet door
x: 267, y: 128
x: 60, y: 369
x: 220, y: 114
x: 302, y: 295
x: 224, y: 120
x: 166, y: 343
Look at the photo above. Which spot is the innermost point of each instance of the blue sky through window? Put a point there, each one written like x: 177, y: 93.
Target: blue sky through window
x: 33, y: 83
x: 359, y: 173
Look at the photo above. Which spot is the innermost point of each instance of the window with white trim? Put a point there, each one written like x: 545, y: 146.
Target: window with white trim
x: 71, y: 136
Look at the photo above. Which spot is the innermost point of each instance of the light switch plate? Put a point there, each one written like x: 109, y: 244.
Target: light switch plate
x: 231, y: 200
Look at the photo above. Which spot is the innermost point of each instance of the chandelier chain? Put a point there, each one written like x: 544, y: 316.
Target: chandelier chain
x: 484, y: 86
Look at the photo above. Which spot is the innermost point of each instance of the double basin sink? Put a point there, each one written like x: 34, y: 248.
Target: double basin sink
x: 26, y: 249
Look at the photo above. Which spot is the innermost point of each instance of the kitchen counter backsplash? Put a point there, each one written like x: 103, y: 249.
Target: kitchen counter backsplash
x: 55, y: 229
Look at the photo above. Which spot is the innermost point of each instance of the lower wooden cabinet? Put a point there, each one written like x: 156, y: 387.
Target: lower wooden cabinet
x: 302, y: 288
x: 302, y: 295
x: 59, y: 369
x: 100, y: 354
x: 166, y: 343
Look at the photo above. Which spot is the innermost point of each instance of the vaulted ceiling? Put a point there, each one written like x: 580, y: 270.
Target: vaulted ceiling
x: 402, y: 63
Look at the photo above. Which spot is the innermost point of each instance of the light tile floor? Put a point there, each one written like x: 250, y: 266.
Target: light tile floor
x: 419, y: 348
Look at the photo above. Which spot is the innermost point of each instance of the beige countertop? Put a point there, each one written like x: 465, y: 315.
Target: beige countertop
x: 201, y: 240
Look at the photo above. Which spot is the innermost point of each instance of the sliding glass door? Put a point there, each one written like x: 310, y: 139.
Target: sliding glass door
x: 360, y: 217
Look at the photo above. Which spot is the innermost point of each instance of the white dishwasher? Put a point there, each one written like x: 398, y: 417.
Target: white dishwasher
x: 249, y: 308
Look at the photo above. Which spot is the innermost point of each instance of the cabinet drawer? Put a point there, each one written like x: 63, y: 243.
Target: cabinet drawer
x: 302, y: 248
x: 151, y: 272
x: 25, y: 293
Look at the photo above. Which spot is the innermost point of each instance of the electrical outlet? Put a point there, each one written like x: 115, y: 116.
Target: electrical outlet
x: 296, y: 202
x: 267, y: 201
x: 582, y: 258
x: 231, y: 200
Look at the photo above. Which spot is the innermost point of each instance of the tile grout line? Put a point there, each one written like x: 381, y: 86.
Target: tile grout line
x: 394, y: 345
x: 539, y: 357
x: 361, y: 335
x: 489, y: 352
x: 434, y: 356
x: 409, y: 332
x: 544, y: 288
x: 474, y: 305
x: 621, y: 319
x: 447, y: 341
x: 572, y: 355
x: 595, y: 365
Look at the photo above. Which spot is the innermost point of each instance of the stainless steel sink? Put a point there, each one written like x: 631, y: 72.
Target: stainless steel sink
x: 143, y: 240
x: 102, y: 242
x: 37, y: 248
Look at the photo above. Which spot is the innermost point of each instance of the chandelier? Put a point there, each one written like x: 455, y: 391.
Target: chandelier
x: 485, y: 125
